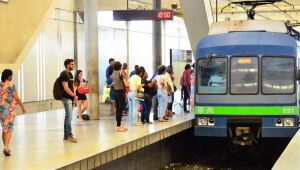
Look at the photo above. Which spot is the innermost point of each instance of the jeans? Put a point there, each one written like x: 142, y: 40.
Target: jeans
x: 185, y: 97
x: 133, y: 105
x: 147, y: 104
x: 170, y: 105
x: 162, y: 97
x: 68, y: 105
x: 155, y: 106
x: 120, y: 98
x: 143, y: 112
x: 125, y: 104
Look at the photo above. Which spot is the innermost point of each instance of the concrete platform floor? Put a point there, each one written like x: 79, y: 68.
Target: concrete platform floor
x: 37, y: 139
x: 289, y: 159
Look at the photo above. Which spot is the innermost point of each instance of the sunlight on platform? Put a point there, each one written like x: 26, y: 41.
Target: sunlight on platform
x: 37, y: 140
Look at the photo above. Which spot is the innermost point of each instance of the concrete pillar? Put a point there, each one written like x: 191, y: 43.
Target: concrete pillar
x: 91, y: 52
x: 127, y: 47
x: 156, y: 39
x: 197, y: 16
x: 75, y: 38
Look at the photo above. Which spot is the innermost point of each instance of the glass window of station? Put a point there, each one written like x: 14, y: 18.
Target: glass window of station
x: 278, y: 75
x: 212, y: 76
x: 244, y: 75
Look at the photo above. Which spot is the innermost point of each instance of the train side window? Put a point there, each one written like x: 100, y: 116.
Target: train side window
x: 244, y: 75
x: 212, y: 76
x: 278, y: 75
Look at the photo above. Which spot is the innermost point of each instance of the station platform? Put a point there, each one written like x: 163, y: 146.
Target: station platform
x: 289, y: 159
x: 37, y: 140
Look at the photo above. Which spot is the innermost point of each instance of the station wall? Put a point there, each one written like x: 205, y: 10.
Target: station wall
x: 44, y: 62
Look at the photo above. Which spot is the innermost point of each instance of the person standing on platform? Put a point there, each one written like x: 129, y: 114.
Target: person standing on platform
x: 133, y: 102
x: 8, y: 94
x: 119, y: 85
x: 162, y: 94
x: 186, y: 86
x: 69, y: 97
x: 110, y: 68
x: 124, y: 74
x: 154, y: 98
x: 192, y: 74
x: 82, y: 103
x: 169, y: 79
x: 133, y: 72
x: 149, y: 91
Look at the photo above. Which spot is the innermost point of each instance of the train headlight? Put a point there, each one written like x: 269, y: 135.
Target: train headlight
x: 202, y: 121
x: 279, y: 122
x: 288, y: 122
x: 211, y: 121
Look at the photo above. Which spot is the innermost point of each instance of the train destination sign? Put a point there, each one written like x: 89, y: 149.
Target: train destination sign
x: 130, y: 15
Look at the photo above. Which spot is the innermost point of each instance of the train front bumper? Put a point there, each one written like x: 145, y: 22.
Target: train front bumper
x: 272, y: 132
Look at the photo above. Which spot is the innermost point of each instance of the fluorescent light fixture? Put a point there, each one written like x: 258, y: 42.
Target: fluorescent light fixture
x: 3, y: 0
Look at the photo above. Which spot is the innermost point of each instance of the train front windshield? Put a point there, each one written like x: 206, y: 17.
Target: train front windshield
x: 212, y: 78
x: 277, y: 75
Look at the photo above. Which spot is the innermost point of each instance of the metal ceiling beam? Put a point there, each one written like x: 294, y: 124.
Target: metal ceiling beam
x: 264, y: 11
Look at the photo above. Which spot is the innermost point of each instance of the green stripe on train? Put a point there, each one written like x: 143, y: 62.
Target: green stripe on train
x: 247, y: 110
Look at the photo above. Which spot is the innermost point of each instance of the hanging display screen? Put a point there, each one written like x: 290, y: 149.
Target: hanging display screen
x: 130, y: 15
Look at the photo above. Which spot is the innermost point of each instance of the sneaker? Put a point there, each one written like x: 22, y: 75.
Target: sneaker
x: 186, y: 111
x: 136, y: 124
x: 72, y: 139
x: 149, y: 123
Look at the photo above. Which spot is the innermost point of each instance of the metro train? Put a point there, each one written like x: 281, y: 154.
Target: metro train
x: 246, y: 82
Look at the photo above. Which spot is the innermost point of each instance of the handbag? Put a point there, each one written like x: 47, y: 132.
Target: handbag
x: 83, y: 90
x: 140, y: 95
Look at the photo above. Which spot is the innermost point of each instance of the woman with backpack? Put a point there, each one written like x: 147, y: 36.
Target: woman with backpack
x: 149, y: 92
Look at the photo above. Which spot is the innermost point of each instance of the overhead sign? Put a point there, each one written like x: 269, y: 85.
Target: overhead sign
x: 130, y: 15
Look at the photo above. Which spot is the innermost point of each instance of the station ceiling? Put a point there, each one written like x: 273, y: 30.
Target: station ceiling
x: 133, y: 4
x: 289, y: 11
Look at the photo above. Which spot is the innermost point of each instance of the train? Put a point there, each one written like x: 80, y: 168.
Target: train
x: 246, y: 82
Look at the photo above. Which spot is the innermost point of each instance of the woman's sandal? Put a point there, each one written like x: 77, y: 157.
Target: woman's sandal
x: 6, y: 152
x: 162, y: 120
x: 121, y: 129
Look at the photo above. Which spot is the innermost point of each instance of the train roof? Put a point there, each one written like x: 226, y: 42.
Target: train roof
x: 248, y: 26
x: 245, y: 43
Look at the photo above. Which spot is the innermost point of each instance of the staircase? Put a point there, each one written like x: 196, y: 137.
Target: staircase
x: 20, y: 23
